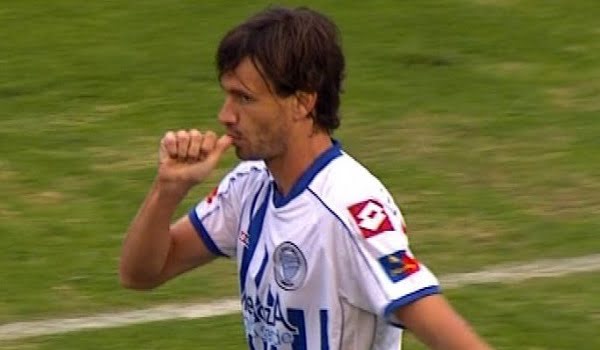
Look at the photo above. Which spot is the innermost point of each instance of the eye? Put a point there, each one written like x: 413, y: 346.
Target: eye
x: 243, y: 98
x: 240, y: 96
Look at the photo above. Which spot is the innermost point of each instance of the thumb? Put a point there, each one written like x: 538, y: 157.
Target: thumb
x: 223, y: 143
x: 221, y: 146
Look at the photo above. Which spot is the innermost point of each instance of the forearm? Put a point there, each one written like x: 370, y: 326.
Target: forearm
x: 147, y: 243
x: 433, y: 321
x: 454, y: 335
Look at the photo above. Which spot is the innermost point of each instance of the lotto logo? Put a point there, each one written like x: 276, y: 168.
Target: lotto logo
x: 371, y: 218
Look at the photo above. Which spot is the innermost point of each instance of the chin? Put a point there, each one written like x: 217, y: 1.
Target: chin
x: 246, y: 155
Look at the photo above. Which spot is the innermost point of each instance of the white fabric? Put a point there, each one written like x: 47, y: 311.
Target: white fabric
x: 330, y: 262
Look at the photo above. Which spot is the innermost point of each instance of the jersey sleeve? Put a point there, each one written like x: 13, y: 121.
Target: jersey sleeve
x: 386, y: 274
x: 216, y: 217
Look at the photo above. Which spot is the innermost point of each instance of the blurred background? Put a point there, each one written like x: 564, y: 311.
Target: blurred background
x: 481, y: 117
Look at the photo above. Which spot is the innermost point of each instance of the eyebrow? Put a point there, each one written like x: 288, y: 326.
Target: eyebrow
x: 246, y: 90
x: 239, y: 92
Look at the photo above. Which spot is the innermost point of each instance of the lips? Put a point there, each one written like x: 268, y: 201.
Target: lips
x: 235, y: 137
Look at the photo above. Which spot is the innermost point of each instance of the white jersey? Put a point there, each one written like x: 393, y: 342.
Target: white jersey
x: 321, y: 268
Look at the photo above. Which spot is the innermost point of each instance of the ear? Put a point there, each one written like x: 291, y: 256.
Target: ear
x: 305, y: 103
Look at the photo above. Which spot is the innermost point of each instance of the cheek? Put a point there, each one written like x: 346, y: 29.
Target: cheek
x: 264, y: 120
x: 253, y: 126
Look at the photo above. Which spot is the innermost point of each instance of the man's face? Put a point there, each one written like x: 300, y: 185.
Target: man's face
x: 257, y: 119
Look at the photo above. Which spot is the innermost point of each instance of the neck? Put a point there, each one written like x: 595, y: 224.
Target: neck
x: 300, y: 154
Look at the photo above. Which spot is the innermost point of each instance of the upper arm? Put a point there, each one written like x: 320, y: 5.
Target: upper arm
x: 187, y: 250
x: 435, y: 323
x: 210, y: 228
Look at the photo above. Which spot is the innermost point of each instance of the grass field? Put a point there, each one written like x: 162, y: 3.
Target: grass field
x: 509, y: 322
x: 480, y: 116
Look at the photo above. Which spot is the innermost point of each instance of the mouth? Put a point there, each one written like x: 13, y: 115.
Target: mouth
x: 235, y: 137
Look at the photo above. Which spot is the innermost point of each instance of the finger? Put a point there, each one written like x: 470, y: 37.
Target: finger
x: 193, y: 152
x: 208, y: 142
x: 169, y: 144
x: 183, y: 142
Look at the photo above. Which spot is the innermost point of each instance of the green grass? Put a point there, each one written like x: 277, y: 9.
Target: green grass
x: 480, y: 116
x: 541, y: 314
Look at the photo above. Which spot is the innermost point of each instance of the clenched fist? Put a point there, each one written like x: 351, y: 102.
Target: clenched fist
x: 187, y: 157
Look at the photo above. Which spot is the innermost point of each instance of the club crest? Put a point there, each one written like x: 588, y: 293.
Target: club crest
x: 289, y: 265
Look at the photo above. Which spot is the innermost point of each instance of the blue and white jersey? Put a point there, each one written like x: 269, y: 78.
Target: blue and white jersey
x: 321, y: 268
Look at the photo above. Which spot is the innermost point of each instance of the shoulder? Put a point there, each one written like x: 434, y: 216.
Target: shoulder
x: 346, y: 181
x: 357, y: 197
x: 247, y: 169
x: 243, y: 175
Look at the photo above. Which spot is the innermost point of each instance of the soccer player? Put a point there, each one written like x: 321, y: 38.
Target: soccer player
x: 323, y: 258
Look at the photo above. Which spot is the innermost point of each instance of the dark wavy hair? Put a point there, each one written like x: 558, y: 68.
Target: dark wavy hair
x: 294, y: 49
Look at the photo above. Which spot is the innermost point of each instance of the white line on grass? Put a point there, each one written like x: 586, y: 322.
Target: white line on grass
x: 496, y: 274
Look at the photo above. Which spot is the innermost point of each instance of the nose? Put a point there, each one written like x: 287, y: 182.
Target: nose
x: 227, y: 114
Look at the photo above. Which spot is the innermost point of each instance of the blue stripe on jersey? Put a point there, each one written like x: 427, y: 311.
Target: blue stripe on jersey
x: 296, y: 318
x: 203, y: 233
x: 254, y: 231
x: 323, y: 317
x: 251, y: 343
x: 261, y: 270
x: 254, y: 202
x: 407, y: 299
x: 325, y: 158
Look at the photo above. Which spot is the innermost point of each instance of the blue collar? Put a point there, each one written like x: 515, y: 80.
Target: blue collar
x: 322, y: 160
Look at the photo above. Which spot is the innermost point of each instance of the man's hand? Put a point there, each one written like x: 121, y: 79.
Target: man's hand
x: 186, y: 158
x: 154, y: 251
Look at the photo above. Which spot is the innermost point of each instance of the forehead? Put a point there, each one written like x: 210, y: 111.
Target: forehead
x: 245, y: 76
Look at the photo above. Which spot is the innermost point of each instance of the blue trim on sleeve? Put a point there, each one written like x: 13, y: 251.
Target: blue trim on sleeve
x: 203, y: 234
x: 407, y: 299
x: 325, y: 158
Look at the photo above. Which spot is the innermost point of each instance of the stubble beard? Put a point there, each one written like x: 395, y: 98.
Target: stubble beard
x: 263, y: 149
